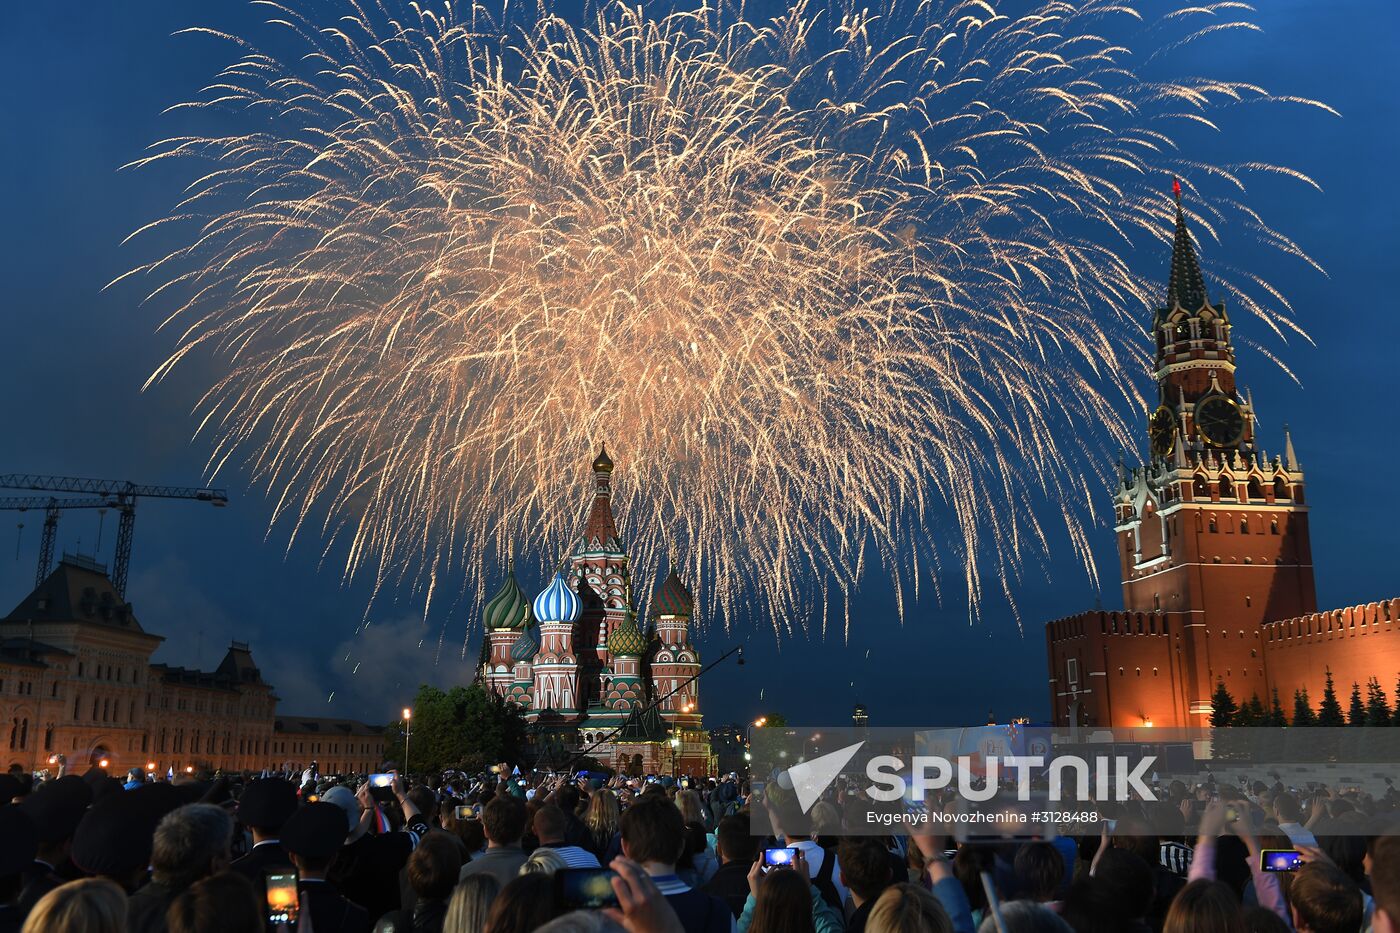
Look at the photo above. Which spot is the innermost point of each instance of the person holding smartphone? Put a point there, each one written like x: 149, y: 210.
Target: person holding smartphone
x: 367, y: 868
x: 783, y: 898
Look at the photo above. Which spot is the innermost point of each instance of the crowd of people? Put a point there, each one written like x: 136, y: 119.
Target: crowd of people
x: 502, y: 852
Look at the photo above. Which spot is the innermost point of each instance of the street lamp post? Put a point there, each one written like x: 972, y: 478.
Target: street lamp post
x: 407, y: 723
x: 675, y: 750
x: 758, y: 723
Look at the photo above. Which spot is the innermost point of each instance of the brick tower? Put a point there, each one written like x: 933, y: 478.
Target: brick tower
x: 1212, y: 537
x: 601, y: 578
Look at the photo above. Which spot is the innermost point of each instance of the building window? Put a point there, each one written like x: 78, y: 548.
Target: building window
x: 1244, y: 526
x: 1212, y: 526
x: 1273, y: 526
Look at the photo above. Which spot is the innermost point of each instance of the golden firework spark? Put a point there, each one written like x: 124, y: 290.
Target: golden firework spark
x: 847, y: 284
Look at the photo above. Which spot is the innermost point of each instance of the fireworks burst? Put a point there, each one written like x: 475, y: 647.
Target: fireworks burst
x: 845, y: 285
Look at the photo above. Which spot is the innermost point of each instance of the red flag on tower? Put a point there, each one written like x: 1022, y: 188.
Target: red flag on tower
x: 1176, y: 187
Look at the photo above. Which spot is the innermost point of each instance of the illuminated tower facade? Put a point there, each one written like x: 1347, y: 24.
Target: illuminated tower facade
x: 505, y: 617
x: 1212, y: 536
x: 600, y: 577
x: 556, y: 667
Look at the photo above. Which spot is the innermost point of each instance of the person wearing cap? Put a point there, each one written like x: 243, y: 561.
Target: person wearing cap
x: 367, y: 868
x: 113, y: 839
x: 135, y: 777
x: 19, y: 841
x: 265, y: 806
x: 56, y: 808
x: 313, y: 838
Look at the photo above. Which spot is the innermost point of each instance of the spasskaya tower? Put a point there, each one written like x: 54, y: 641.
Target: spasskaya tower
x: 1212, y: 536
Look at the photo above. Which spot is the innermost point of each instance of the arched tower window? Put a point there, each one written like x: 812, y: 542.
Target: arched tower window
x: 1256, y: 489
x: 1227, y: 488
x: 1281, y: 489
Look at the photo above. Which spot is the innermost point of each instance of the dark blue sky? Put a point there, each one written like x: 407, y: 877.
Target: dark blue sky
x: 82, y: 90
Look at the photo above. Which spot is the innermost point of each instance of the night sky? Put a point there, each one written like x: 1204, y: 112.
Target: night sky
x: 82, y: 93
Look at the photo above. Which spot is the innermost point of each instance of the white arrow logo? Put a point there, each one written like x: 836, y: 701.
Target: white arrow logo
x: 811, y: 778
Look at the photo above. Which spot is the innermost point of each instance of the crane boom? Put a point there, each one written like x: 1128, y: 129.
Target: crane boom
x: 113, y: 494
x: 110, y: 487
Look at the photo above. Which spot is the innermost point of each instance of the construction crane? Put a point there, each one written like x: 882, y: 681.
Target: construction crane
x: 98, y: 494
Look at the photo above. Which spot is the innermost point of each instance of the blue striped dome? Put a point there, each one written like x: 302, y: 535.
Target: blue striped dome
x: 557, y: 603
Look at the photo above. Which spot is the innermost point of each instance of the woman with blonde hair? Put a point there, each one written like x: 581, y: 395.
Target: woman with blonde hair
x: 471, y: 902
x: 692, y: 811
x: 543, y: 861
x: 92, y: 905
x: 602, y: 820
x: 908, y: 908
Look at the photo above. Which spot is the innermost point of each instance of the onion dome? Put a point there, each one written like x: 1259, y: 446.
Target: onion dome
x: 626, y: 641
x: 509, y: 608
x: 525, y: 647
x: 673, y: 599
x: 603, y: 463
x: 557, y: 603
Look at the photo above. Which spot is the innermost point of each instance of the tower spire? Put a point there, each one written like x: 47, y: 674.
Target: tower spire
x: 1290, y: 459
x: 600, y: 528
x: 1187, y: 287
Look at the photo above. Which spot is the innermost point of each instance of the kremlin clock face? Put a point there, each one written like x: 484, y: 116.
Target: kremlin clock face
x: 1219, y: 421
x: 1161, y: 427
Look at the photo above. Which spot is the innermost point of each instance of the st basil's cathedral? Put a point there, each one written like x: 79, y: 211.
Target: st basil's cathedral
x: 586, y: 674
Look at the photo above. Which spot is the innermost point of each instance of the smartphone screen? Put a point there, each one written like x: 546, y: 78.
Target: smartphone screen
x: 778, y: 858
x: 381, y: 787
x: 463, y: 812
x: 282, y: 896
x: 585, y: 888
x: 1280, y: 860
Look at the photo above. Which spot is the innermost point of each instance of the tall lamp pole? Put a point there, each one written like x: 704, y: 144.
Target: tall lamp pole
x: 407, y: 723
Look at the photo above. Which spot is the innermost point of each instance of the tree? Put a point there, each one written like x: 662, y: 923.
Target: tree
x: 1303, y: 714
x: 1276, y: 716
x: 1329, y: 713
x: 1396, y: 720
x: 776, y: 720
x: 1223, y: 710
x: 1249, y: 713
x: 1377, y: 709
x: 1356, y: 711
x: 467, y: 727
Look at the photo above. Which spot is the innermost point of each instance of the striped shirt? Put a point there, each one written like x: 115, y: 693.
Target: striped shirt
x: 574, y: 856
x: 670, y: 884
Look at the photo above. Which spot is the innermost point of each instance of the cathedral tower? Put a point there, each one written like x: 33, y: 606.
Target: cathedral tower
x: 600, y: 577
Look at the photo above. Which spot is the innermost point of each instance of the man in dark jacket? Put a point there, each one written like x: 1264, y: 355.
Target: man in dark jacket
x: 56, y: 809
x: 653, y: 836
x: 266, y: 804
x: 313, y: 838
x: 190, y: 843
x: 19, y: 840
x: 737, y: 850
x: 865, y: 872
